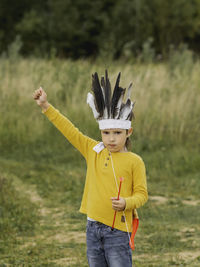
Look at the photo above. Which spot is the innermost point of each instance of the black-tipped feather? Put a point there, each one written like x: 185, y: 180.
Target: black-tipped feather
x: 107, y: 93
x: 117, y: 94
x: 103, y: 85
x: 126, y: 110
x: 99, y: 99
x: 129, y: 92
x: 117, y: 82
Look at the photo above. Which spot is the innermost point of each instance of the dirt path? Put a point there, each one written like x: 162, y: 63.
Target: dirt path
x: 52, y: 218
x: 159, y: 200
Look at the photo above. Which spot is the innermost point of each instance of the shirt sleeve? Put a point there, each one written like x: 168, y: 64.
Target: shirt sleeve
x: 140, y: 194
x: 65, y: 126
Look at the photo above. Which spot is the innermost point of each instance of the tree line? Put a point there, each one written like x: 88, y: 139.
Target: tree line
x: 85, y: 28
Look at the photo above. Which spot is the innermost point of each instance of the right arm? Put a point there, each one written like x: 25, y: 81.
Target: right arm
x: 74, y: 136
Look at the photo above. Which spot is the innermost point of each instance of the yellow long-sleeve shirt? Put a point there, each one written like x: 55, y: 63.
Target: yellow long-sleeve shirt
x: 100, y: 183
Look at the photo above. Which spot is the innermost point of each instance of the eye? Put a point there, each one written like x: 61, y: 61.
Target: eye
x: 105, y: 132
x: 118, y: 132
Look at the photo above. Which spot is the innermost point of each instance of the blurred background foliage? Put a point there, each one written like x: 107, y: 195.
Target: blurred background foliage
x: 126, y: 29
x: 57, y: 45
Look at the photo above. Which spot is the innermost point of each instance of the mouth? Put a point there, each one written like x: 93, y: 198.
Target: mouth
x: 111, y: 145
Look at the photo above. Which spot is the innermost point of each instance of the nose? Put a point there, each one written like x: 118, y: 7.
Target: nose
x: 112, y: 139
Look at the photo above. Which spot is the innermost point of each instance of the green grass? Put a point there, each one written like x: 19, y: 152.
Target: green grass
x: 42, y: 176
x: 166, y: 229
x: 17, y: 218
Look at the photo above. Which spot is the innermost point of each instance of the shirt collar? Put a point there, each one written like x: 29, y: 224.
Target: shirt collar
x: 99, y: 147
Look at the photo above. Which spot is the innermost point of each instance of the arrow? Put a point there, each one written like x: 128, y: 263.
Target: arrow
x: 120, y: 184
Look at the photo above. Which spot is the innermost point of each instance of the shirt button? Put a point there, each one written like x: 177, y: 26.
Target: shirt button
x: 106, y: 164
x: 107, y: 158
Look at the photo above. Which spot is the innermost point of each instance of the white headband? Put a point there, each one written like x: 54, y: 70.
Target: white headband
x: 114, y: 124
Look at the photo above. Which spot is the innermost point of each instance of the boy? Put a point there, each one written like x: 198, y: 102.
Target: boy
x: 107, y: 162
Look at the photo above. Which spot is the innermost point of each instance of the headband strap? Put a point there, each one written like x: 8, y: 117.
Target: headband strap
x: 114, y: 124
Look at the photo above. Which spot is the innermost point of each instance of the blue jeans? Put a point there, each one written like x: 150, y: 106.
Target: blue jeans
x: 107, y: 247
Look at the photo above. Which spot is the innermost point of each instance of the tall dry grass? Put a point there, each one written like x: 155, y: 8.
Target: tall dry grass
x: 167, y: 99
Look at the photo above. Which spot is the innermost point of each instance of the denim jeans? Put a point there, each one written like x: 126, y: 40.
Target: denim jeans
x: 107, y: 247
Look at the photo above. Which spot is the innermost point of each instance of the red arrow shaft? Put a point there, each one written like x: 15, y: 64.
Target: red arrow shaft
x: 117, y: 199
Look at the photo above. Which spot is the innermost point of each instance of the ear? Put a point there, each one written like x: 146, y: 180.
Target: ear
x: 130, y: 131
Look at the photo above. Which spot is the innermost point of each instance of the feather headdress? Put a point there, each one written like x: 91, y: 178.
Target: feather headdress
x: 109, y: 111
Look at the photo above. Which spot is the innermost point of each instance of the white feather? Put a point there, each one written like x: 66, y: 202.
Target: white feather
x: 105, y: 112
x: 90, y: 102
x: 103, y: 93
x: 129, y: 92
x: 118, y: 107
x: 126, y: 111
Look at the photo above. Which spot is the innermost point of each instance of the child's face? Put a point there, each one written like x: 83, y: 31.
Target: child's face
x: 114, y: 139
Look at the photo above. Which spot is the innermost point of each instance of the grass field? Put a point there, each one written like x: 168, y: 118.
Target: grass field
x: 42, y: 175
